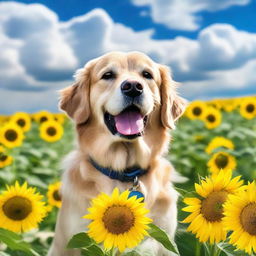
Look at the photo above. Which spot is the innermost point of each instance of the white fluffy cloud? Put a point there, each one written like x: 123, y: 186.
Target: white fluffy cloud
x: 233, y: 82
x: 39, y: 54
x: 33, y: 46
x: 219, y: 47
x: 184, y: 14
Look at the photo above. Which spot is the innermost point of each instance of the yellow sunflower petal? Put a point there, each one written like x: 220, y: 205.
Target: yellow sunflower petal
x: 240, y: 212
x: 20, y: 208
x: 206, y: 212
x: 117, y: 221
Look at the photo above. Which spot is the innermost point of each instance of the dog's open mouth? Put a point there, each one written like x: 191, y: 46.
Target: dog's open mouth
x: 130, y: 123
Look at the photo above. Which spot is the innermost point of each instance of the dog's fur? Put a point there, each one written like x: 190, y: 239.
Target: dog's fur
x: 85, y: 102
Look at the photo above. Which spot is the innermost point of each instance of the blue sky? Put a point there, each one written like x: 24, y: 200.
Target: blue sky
x: 210, y: 45
x: 123, y: 11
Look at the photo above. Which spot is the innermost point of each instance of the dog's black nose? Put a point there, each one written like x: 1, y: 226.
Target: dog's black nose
x: 131, y: 88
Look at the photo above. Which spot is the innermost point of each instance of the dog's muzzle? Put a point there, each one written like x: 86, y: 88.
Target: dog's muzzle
x: 131, y: 89
x: 130, y: 122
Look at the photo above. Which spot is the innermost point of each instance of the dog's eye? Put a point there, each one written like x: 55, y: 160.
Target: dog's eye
x: 147, y: 75
x: 108, y: 75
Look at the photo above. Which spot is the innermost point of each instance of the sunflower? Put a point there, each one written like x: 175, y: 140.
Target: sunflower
x: 43, y: 116
x: 248, y: 108
x: 60, y: 118
x: 230, y: 105
x: 49, y: 208
x: 51, y: 131
x: 206, y: 210
x: 4, y: 158
x: 21, y: 208
x: 198, y: 137
x: 53, y: 194
x: 212, y: 118
x: 218, y: 142
x: 23, y: 120
x: 11, y: 135
x: 117, y: 220
x: 196, y: 110
x: 240, y: 218
x: 221, y: 161
x: 3, y: 119
x: 217, y: 103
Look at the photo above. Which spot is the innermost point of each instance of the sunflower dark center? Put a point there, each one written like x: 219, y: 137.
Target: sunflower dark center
x: 43, y: 119
x: 21, y: 122
x: 11, y: 135
x: 56, y: 195
x: 212, y: 206
x: 118, y: 219
x: 221, y: 161
x: 3, y: 157
x: 250, y: 108
x: 211, y: 118
x: 17, y: 208
x: 248, y: 218
x: 197, y: 111
x: 51, y: 131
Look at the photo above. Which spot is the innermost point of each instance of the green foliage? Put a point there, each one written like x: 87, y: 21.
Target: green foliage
x: 80, y: 240
x: 134, y: 253
x: 15, y: 242
x: 229, y: 250
x: 160, y: 235
x: 90, y: 248
x: 38, y: 163
x: 188, y: 155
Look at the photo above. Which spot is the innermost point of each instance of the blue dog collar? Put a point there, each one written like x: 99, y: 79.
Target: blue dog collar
x: 128, y: 175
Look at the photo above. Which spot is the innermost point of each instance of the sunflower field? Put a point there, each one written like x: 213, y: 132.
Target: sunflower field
x: 213, y: 148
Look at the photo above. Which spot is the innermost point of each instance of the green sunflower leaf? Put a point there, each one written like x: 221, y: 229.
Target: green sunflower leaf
x: 4, y: 254
x: 94, y: 250
x: 161, y: 236
x: 132, y: 253
x: 230, y: 250
x: 80, y: 240
x: 15, y: 242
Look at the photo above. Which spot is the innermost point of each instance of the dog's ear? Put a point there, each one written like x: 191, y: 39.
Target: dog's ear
x: 172, y: 105
x: 75, y: 99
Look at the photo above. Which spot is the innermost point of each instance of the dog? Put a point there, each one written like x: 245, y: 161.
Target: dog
x: 123, y: 106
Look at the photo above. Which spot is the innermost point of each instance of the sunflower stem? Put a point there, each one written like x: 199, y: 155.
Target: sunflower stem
x: 111, y: 252
x: 215, y: 251
x: 198, y: 248
x: 118, y: 253
x: 211, y: 249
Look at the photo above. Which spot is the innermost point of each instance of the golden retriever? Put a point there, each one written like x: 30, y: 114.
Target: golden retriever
x: 123, y: 105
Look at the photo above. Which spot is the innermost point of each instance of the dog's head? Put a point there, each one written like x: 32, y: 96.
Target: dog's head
x: 120, y: 92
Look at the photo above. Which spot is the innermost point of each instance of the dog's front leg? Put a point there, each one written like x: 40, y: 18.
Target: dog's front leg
x: 69, y: 222
x: 164, y: 214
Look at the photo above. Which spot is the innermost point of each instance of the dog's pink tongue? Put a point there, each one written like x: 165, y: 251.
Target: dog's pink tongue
x: 129, y: 123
